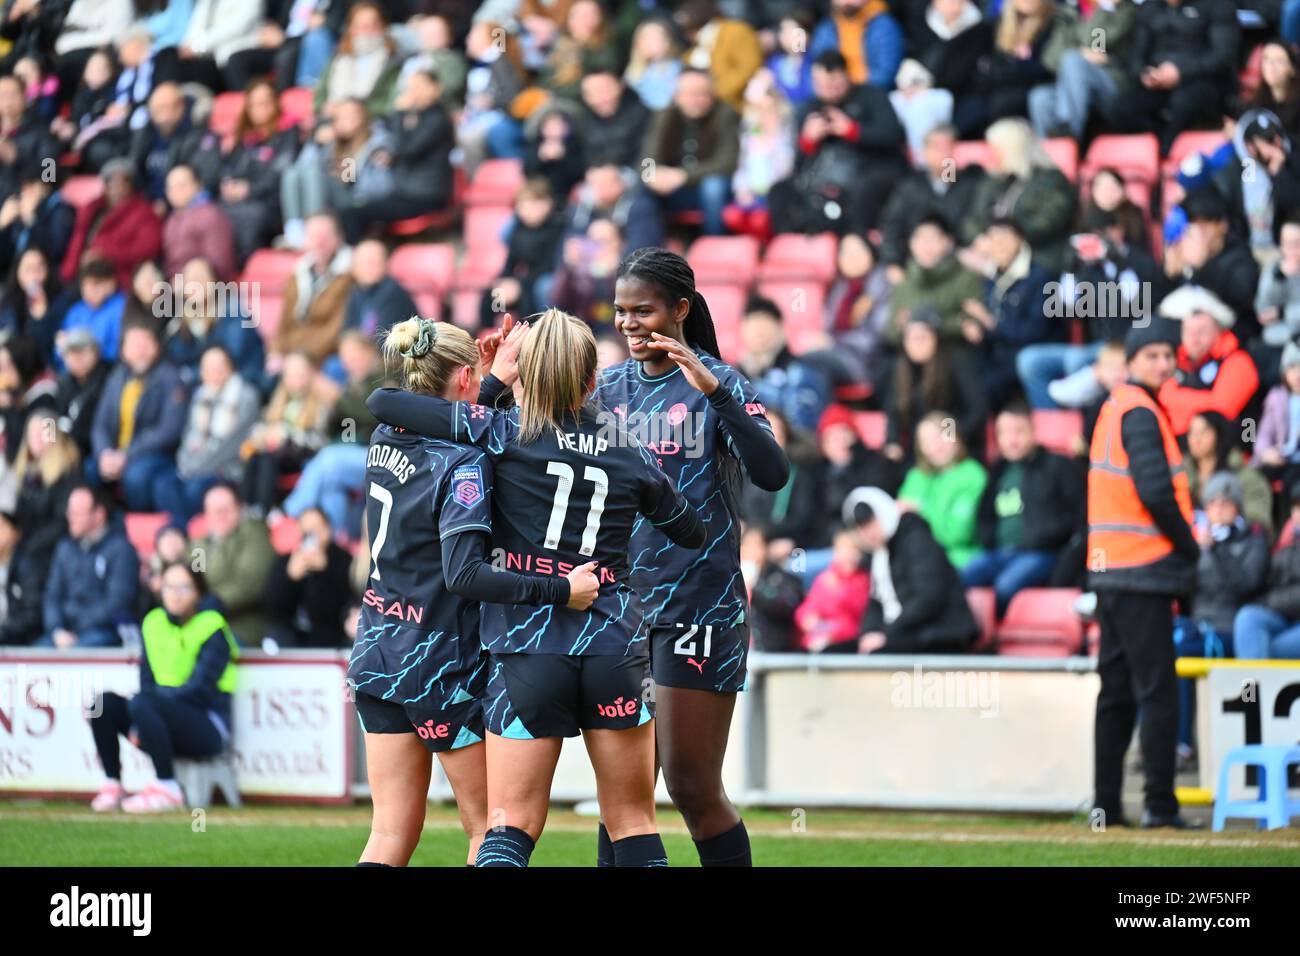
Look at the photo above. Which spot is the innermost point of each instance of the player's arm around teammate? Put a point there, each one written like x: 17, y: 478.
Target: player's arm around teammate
x: 419, y: 689
x: 561, y: 675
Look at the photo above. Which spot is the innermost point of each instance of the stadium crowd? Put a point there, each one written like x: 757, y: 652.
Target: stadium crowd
x: 923, y: 230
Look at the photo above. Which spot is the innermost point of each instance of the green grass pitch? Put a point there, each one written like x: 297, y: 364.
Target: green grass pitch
x: 68, y: 834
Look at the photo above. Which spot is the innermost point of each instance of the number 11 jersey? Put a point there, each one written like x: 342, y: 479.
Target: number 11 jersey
x: 571, y: 496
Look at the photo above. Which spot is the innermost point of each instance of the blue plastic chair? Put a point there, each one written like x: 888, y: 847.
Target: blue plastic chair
x: 1273, y: 808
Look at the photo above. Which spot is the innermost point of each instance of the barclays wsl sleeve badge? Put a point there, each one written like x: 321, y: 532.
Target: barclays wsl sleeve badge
x: 467, y: 485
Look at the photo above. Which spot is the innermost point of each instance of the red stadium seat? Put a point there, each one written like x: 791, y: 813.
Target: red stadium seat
x: 484, y: 227
x: 727, y: 306
x: 1249, y: 77
x: 298, y: 104
x: 285, y: 535
x: 265, y: 275
x: 197, y: 527
x: 480, y: 267
x: 1041, y: 623
x: 465, y: 305
x: 1065, y: 153
x: 270, y: 268
x: 724, y: 259
x: 972, y: 152
x: 142, y: 528
x: 81, y: 191
x: 983, y: 605
x: 872, y: 426
x: 225, y: 113
x: 426, y: 270
x: 1134, y: 157
x: 495, y: 183
x: 266, y: 309
x: 418, y: 225
x: 1193, y: 141
x: 1056, y: 429
x: 439, y: 220
x: 801, y: 304
x: 793, y: 256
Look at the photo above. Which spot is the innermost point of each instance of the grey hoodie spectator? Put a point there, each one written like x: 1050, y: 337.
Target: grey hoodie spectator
x: 348, y: 164
x: 93, y: 578
x: 1277, y: 299
x: 222, y: 413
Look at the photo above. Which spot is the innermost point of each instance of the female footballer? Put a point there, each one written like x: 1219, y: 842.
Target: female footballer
x: 707, y: 424
x: 571, y: 485
x: 418, y: 670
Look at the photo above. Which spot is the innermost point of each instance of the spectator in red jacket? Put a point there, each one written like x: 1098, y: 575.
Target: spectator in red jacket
x: 830, y: 616
x: 197, y: 227
x: 1215, y: 374
x: 120, y: 225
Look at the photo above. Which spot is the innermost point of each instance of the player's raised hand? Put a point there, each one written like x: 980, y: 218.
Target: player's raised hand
x: 700, y: 377
x: 490, y: 343
x: 583, y: 586
x: 505, y: 366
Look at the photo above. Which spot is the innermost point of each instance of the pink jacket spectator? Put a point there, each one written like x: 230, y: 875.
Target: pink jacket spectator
x: 834, y: 606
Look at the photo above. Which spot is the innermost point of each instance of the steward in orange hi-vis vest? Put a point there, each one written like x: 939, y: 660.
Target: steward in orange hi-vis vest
x: 1142, y: 556
x: 1122, y: 534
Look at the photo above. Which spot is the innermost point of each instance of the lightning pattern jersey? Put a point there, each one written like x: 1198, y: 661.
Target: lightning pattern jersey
x: 418, y: 644
x: 571, y: 496
x: 682, y: 427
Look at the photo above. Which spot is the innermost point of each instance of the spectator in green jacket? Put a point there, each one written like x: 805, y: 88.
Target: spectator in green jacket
x: 1024, y: 185
x: 933, y: 277
x: 944, y: 487
x: 237, y: 555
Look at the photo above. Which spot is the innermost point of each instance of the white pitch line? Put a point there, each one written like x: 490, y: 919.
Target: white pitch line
x: 219, y: 819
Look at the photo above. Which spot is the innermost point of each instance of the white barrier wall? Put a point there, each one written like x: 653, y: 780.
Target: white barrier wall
x: 936, y: 733
x: 970, y: 733
x: 293, y: 734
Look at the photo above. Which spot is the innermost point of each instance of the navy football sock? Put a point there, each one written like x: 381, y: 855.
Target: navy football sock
x: 389, y: 865
x: 505, y: 846
x: 604, y: 848
x: 646, y: 849
x: 730, y: 848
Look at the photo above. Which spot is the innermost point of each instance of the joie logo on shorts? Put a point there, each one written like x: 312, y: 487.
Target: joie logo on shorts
x: 619, y: 708
x: 467, y: 485
x: 430, y: 731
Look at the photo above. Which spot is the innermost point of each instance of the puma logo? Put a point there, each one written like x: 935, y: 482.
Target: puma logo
x: 700, y: 666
